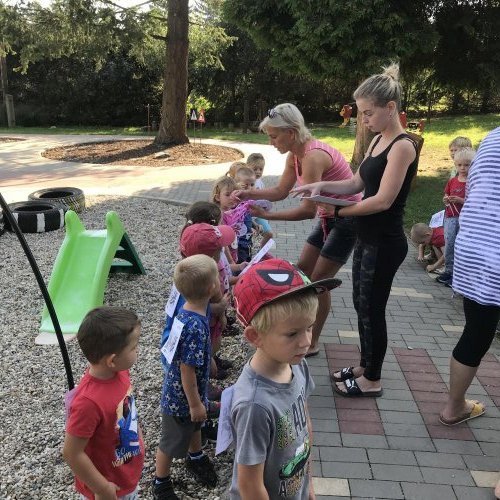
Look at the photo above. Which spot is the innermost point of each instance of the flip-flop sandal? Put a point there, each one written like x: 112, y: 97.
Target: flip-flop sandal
x: 478, y: 409
x: 345, y: 374
x: 353, y: 390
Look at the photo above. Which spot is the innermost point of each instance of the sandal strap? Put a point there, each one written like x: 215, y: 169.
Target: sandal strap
x: 352, y: 386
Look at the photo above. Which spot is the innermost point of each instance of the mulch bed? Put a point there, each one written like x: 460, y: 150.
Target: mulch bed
x: 144, y: 153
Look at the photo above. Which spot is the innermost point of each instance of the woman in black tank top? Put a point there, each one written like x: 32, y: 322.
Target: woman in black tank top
x: 385, y: 176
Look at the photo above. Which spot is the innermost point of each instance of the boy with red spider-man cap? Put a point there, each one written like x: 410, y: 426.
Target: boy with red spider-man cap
x: 271, y: 429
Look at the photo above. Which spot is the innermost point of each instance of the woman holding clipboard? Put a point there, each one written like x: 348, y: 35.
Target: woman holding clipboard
x: 308, y: 160
x: 385, y: 176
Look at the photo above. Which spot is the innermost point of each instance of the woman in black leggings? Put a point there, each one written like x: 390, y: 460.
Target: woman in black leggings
x: 385, y: 176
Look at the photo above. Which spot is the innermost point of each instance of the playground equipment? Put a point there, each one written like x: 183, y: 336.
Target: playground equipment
x: 345, y: 113
x: 80, y: 272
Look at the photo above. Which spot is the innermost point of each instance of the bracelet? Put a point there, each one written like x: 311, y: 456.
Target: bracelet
x: 336, y: 212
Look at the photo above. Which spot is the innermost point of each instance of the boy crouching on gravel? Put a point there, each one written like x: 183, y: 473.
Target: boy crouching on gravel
x: 277, y: 305
x: 103, y: 443
x: 184, y: 396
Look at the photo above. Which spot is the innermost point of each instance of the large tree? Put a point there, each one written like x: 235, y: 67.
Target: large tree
x: 338, y: 39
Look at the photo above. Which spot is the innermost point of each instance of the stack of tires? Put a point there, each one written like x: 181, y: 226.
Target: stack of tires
x: 45, y: 209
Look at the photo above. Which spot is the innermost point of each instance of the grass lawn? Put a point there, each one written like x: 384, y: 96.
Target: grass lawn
x: 434, y: 166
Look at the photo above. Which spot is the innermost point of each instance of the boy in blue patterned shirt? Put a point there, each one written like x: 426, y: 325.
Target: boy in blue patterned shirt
x: 184, y: 395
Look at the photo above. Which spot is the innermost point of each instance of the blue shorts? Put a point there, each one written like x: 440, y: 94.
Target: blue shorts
x: 340, y: 240
x: 266, y: 227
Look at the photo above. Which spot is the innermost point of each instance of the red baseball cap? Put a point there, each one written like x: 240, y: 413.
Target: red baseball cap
x: 205, y: 239
x: 271, y: 280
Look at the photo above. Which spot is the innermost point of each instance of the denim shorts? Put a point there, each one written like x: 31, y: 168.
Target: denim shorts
x: 340, y: 239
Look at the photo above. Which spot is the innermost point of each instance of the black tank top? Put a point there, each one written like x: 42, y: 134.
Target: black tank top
x: 382, y: 226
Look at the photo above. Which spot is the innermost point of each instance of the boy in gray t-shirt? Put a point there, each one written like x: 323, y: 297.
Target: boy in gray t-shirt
x: 271, y: 428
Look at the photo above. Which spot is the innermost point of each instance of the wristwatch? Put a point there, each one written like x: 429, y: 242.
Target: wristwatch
x: 336, y: 212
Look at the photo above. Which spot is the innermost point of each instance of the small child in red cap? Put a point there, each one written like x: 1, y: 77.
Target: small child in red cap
x: 277, y: 305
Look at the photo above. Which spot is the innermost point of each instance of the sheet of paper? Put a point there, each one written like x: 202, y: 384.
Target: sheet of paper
x: 258, y: 256
x: 170, y: 346
x: 331, y: 201
x: 172, y: 302
x: 224, y: 433
x: 437, y: 220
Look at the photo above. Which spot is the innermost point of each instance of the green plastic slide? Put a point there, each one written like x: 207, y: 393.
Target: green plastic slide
x: 81, y: 270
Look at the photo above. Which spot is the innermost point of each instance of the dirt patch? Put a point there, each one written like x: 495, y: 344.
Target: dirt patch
x: 144, y: 153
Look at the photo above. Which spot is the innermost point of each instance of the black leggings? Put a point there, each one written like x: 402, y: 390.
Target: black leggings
x: 479, y: 331
x: 373, y: 271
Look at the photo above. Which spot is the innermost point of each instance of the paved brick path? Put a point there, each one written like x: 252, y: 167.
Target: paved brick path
x: 388, y: 447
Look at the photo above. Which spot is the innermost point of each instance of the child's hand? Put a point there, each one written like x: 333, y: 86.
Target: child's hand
x: 242, y: 265
x: 198, y: 412
x: 109, y: 493
x: 455, y: 199
x: 446, y: 199
x: 429, y: 268
x: 420, y: 258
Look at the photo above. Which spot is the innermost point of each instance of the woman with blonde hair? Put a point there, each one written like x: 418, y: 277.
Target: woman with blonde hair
x: 308, y: 160
x: 385, y: 176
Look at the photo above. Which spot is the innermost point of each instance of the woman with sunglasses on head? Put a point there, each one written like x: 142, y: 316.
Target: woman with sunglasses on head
x: 331, y: 242
x: 385, y: 177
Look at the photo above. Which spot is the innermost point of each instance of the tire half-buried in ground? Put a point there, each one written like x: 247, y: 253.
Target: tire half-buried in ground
x: 37, y: 216
x: 72, y: 198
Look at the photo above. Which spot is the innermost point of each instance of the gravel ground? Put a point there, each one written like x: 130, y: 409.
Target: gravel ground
x: 33, y: 380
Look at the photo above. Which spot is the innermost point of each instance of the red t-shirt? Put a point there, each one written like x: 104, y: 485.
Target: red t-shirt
x: 437, y: 238
x: 104, y: 412
x: 454, y: 187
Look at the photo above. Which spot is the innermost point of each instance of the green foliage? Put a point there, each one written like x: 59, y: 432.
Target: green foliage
x: 198, y: 102
x: 334, y: 38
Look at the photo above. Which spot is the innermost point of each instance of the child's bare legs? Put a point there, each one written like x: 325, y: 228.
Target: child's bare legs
x: 195, y: 443
x: 163, y: 464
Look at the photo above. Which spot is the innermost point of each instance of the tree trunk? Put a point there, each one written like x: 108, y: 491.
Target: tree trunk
x: 173, y: 110
x: 363, y: 139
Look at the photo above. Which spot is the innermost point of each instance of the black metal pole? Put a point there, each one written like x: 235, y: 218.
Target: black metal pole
x: 34, y: 266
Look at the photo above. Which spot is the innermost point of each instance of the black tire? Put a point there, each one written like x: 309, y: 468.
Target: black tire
x: 37, y: 216
x: 71, y: 198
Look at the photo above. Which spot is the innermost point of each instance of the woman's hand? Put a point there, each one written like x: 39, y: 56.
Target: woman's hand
x: 307, y: 189
x: 239, y: 195
x: 257, y: 211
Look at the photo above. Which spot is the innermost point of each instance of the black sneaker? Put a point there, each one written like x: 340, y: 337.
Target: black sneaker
x: 203, y: 471
x: 164, y: 490
x: 209, y: 432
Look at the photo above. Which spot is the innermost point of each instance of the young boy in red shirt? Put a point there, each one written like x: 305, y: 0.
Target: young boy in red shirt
x: 103, y: 443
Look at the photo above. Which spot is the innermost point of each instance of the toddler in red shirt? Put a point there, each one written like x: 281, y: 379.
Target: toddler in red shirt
x: 423, y: 235
x: 454, y: 197
x: 103, y: 443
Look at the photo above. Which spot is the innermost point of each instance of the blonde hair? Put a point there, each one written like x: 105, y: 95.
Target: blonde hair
x: 419, y: 233
x: 287, y: 116
x: 244, y: 172
x: 194, y: 275
x: 382, y: 88
x: 219, y: 185
x: 460, y: 142
x: 233, y: 169
x: 256, y: 159
x: 304, y: 303
x: 465, y: 154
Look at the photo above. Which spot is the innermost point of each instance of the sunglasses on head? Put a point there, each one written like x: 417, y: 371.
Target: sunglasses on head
x: 272, y: 113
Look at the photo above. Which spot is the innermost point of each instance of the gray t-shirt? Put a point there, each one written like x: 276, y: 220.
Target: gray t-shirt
x: 269, y: 424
